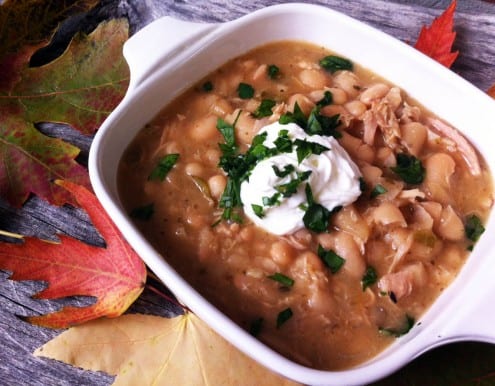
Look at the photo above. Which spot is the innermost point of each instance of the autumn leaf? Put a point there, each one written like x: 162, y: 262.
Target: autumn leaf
x: 436, y: 40
x: 491, y: 91
x: 115, y: 275
x: 79, y: 88
x: 151, y: 350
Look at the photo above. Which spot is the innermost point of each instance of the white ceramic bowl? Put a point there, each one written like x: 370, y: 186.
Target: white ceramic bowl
x: 169, y: 55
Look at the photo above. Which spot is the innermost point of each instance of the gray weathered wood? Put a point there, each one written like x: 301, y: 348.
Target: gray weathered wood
x: 475, y: 25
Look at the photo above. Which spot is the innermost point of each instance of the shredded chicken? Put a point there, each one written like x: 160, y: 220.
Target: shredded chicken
x: 402, y: 283
x: 463, y: 145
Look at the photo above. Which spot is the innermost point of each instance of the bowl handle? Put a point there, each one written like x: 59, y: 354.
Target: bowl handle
x: 158, y: 42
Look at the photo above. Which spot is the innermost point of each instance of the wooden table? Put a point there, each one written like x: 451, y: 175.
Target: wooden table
x: 475, y: 26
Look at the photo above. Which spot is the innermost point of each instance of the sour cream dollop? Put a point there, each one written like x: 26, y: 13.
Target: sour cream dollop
x: 334, y: 181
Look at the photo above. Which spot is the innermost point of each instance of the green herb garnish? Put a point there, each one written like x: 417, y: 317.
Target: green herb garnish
x: 273, y: 71
x: 315, y: 123
x: 165, y: 164
x: 316, y: 216
x: 207, y: 86
x: 291, y: 187
x: 264, y: 109
x: 408, y: 324
x: 284, y: 316
x: 296, y: 117
x: 333, y: 261
x: 283, y: 143
x: 256, y: 326
x: 245, y: 91
x: 258, y: 210
x: 288, y: 169
x: 377, y: 190
x: 369, y: 278
x: 143, y: 212
x: 473, y: 228
x: 409, y: 169
x: 326, y: 100
x: 334, y: 63
x: 305, y: 148
x: 271, y: 201
x: 282, y: 279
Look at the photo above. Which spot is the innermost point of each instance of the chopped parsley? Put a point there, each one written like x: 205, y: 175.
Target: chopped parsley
x: 369, y: 278
x: 305, y: 148
x: 273, y: 71
x: 207, y: 86
x: 333, y: 63
x: 408, y: 324
x: 284, y: 316
x: 291, y: 187
x: 473, y: 228
x: 315, y: 123
x: 283, y: 142
x: 245, y: 91
x: 143, y: 212
x: 258, y: 210
x: 333, y: 261
x: 280, y: 278
x: 377, y: 190
x: 256, y: 326
x: 271, y: 201
x: 326, y: 100
x: 316, y: 217
x: 165, y: 164
x: 409, y: 169
x: 288, y: 169
x: 264, y: 109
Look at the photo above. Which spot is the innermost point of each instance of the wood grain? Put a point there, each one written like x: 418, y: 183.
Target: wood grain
x: 475, y: 26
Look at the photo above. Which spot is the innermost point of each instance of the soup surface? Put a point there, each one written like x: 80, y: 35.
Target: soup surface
x: 336, y: 291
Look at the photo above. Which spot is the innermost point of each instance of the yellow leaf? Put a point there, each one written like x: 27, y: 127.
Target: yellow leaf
x: 151, y: 350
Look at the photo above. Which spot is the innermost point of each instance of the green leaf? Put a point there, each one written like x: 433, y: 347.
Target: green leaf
x: 143, y: 212
x: 165, y: 164
x: 291, y: 187
x: 473, y: 228
x: 245, y: 91
x: 334, y: 63
x: 409, y: 169
x: 305, y: 148
x: 326, y: 100
x: 264, y: 109
x: 284, y: 316
x: 370, y: 277
x: 207, y: 86
x: 296, y: 117
x: 273, y: 71
x: 258, y: 210
x: 408, y: 324
x: 333, y: 261
x: 288, y: 169
x: 377, y: 190
x: 317, y: 218
x: 282, y: 279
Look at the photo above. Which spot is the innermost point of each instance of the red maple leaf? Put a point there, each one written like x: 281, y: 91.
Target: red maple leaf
x: 114, y: 275
x: 436, y: 40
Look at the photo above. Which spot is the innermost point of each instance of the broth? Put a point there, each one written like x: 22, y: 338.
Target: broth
x: 401, y: 243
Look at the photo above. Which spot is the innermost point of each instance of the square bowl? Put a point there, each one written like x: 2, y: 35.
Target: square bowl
x: 161, y: 70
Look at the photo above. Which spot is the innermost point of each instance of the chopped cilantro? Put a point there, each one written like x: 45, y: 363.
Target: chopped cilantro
x: 377, y: 190
x: 245, y: 91
x: 256, y: 326
x: 326, y: 100
x: 288, y: 169
x: 282, y: 279
x: 258, y: 210
x: 273, y: 71
x: 409, y: 169
x: 207, y: 86
x: 296, y: 117
x: 143, y: 212
x: 316, y: 218
x: 369, y: 278
x: 334, y: 63
x: 271, y: 201
x: 284, y: 316
x: 165, y: 164
x: 474, y: 228
x: 283, y: 142
x: 408, y: 324
x: 333, y: 261
x: 305, y: 148
x: 291, y: 187
x: 323, y: 125
x: 362, y: 184
x: 264, y: 109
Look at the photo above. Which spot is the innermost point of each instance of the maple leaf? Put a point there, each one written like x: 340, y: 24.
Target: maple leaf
x: 436, y: 41
x: 151, y: 350
x: 79, y: 88
x: 115, y: 275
